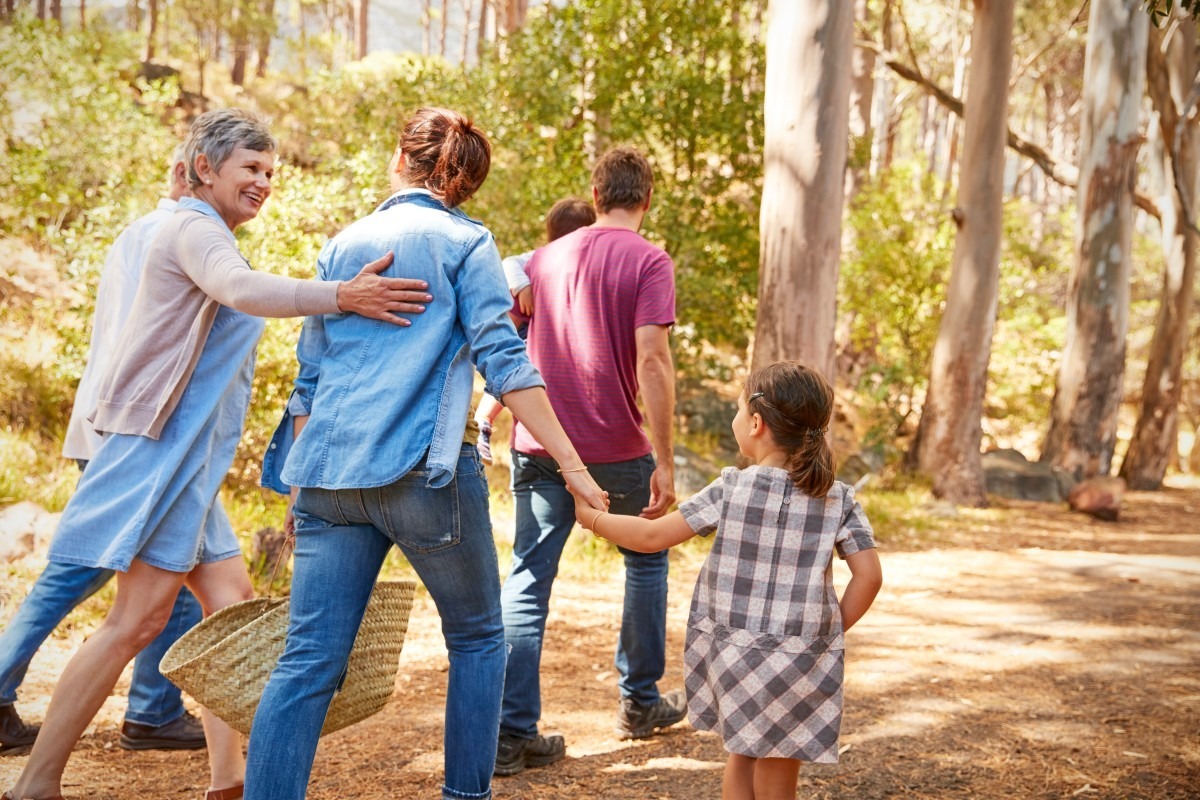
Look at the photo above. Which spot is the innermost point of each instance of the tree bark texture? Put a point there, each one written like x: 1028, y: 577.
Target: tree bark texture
x: 1087, y: 397
x: 949, y: 439
x: 809, y: 49
x: 1171, y: 76
x: 152, y: 34
x: 361, y: 27
x: 862, y: 94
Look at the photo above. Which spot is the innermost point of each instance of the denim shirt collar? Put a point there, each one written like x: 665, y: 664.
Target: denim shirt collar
x: 421, y: 197
x: 194, y: 204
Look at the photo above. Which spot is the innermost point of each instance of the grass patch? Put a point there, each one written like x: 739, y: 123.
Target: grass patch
x: 33, y: 468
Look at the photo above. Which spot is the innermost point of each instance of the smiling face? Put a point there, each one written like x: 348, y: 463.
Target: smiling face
x: 240, y: 187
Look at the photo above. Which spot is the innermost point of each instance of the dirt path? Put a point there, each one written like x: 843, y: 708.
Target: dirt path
x: 1032, y: 654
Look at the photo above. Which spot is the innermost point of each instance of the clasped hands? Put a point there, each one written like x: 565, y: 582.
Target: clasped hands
x: 590, y: 500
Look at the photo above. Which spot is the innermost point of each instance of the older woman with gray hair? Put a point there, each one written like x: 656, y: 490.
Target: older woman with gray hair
x: 172, y: 405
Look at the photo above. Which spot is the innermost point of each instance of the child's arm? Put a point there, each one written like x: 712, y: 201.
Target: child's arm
x: 525, y: 301
x: 634, y: 533
x: 866, y: 576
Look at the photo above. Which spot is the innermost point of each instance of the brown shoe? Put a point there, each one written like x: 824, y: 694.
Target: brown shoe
x: 8, y: 796
x: 232, y: 793
x: 14, y: 732
x: 183, y: 733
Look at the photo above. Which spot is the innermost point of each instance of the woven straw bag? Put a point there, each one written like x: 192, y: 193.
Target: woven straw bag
x: 224, y: 662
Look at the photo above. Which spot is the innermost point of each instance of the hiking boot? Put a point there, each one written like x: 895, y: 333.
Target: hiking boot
x: 13, y: 731
x: 514, y: 754
x: 184, y: 733
x: 484, y: 445
x: 635, y: 721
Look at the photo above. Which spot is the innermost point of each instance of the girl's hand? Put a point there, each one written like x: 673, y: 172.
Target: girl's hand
x: 585, y: 513
x: 525, y: 301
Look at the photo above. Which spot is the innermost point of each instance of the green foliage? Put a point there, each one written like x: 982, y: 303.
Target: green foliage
x: 682, y: 82
x: 892, y: 286
x: 77, y: 146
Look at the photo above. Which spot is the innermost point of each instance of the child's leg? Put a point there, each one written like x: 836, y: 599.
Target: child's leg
x: 738, y: 781
x: 775, y: 778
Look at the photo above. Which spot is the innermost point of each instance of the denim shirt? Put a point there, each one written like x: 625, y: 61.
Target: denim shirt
x: 380, y: 396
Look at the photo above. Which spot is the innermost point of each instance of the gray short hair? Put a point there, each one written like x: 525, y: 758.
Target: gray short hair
x: 218, y: 133
x: 176, y: 157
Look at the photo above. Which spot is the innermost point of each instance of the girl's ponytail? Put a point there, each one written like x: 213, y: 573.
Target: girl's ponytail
x: 795, y: 403
x: 812, y: 465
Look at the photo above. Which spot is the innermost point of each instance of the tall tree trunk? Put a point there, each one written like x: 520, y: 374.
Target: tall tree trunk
x: 83, y: 15
x: 514, y: 15
x: 950, y: 429
x: 41, y: 10
x: 241, y: 54
x: 56, y: 11
x: 442, y: 28
x: 484, y: 29
x: 952, y: 126
x: 1083, y: 422
x: 881, y: 114
x: 1171, y: 77
x: 807, y: 115
x: 468, y: 16
x: 263, y: 49
x: 862, y: 91
x: 361, y: 27
x: 152, y: 33
x: 426, y: 27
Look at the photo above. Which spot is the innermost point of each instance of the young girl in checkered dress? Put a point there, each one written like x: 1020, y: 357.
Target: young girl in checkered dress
x: 765, y: 632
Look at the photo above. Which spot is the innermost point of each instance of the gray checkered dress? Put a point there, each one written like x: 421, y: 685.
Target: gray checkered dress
x: 764, y: 641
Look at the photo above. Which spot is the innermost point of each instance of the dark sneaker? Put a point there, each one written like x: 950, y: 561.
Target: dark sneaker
x: 636, y: 721
x: 514, y: 754
x: 484, y: 445
x: 13, y: 731
x: 184, y: 733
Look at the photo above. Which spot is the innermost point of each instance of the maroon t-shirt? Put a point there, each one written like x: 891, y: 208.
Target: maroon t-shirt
x: 591, y: 290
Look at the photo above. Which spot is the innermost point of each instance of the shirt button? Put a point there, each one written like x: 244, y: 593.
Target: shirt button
x: 272, y: 445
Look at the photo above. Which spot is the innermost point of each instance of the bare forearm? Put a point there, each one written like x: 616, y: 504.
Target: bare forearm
x: 866, y: 576
x: 637, y: 533
x: 656, y: 380
x: 532, y: 408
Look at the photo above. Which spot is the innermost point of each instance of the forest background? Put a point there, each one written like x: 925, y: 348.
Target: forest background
x: 95, y: 97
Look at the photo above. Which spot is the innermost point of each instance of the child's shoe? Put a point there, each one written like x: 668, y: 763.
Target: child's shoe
x: 484, y: 445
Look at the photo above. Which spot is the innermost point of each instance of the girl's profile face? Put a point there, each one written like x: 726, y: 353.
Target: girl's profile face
x: 741, y: 426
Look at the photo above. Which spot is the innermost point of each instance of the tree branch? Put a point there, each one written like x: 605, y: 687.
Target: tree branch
x: 1063, y: 174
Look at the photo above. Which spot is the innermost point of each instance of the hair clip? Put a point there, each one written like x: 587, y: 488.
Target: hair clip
x: 755, y: 396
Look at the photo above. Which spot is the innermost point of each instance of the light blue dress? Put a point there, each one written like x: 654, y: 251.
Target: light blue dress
x: 156, y: 500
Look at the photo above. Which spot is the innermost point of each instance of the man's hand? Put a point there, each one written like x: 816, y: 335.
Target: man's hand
x: 662, y: 491
x: 370, y: 295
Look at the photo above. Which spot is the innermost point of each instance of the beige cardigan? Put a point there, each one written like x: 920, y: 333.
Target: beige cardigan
x: 193, y: 266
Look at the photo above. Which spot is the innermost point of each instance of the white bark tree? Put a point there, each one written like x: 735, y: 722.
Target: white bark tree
x: 1172, y: 76
x: 1083, y: 421
x: 950, y: 431
x: 809, y: 49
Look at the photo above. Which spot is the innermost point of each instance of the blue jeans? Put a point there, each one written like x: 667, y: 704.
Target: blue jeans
x: 545, y: 514
x: 342, y: 537
x: 153, y: 700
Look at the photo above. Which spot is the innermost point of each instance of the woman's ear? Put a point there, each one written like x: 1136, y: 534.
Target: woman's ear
x: 204, y: 170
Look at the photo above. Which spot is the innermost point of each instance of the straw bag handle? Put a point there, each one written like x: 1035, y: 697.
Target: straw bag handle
x: 289, y: 546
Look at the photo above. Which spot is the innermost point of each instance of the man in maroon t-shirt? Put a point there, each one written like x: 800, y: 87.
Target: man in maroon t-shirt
x: 604, y: 301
